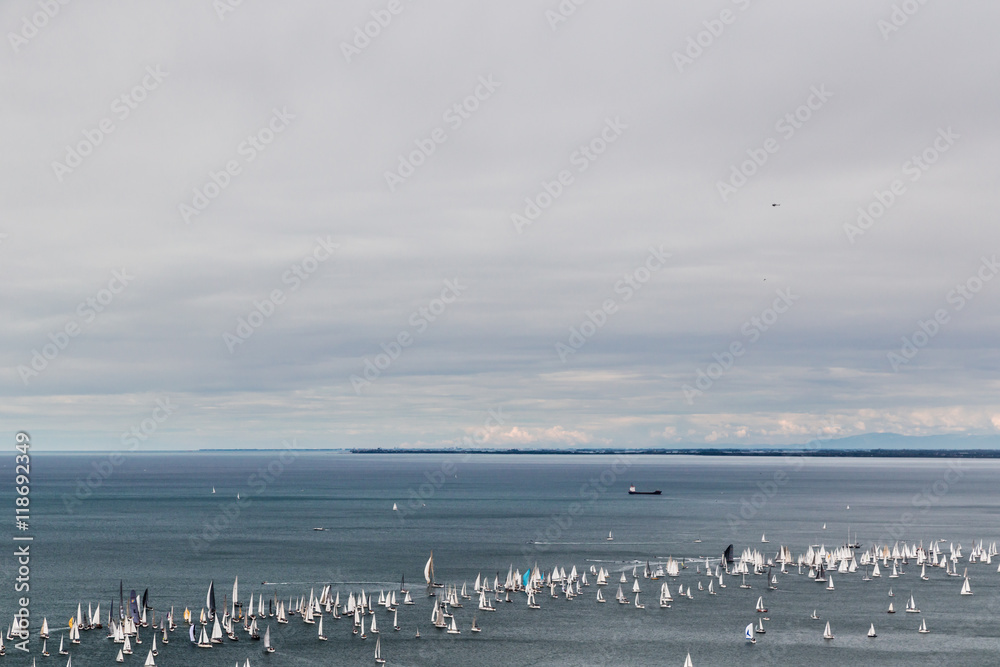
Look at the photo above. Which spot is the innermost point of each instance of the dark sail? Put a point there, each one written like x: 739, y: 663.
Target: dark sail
x: 727, y: 556
x: 133, y: 606
x: 145, y: 599
x: 210, y: 601
x: 121, y: 599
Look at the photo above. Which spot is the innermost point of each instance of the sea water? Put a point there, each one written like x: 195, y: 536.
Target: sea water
x: 153, y: 522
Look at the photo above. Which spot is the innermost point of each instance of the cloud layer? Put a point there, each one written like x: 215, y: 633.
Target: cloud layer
x: 369, y: 225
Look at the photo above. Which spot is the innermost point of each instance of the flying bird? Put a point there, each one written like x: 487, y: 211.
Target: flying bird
x: 775, y: 204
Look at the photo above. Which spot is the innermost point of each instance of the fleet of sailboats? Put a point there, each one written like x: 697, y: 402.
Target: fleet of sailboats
x: 209, y: 626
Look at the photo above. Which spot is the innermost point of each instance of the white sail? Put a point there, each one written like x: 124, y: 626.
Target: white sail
x: 749, y: 632
x: 429, y: 569
x: 149, y: 660
x: 687, y: 661
x: 827, y: 633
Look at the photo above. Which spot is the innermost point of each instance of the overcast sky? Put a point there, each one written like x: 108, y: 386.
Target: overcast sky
x: 695, y: 117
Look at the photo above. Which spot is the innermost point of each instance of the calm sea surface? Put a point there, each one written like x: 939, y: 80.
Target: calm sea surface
x: 153, y: 522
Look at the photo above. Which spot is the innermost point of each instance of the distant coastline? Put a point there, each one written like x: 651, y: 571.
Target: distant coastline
x: 840, y: 453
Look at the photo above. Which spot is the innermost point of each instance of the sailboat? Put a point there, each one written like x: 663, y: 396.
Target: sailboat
x: 210, y: 600
x: 911, y: 606
x: 45, y: 651
x: 966, y: 589
x: 267, y: 641
x: 611, y: 537
x: 216, y: 632
x: 763, y: 539
x: 749, y: 634
x: 429, y: 576
x: 378, y: 652
x: 121, y: 657
x: 395, y: 620
x: 44, y: 634
x: 62, y: 651
x: 453, y: 628
x: 687, y: 661
x: 814, y: 616
x: 760, y: 605
x: 827, y: 634
x: 600, y: 598
x: 923, y: 627
x: 149, y: 660
x: 829, y: 583
x: 475, y: 628
x: 395, y: 508
x: 871, y: 631
x: 760, y: 626
x: 319, y: 631
x: 203, y: 640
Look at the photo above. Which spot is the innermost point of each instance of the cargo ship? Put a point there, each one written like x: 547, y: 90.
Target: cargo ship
x: 633, y: 492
